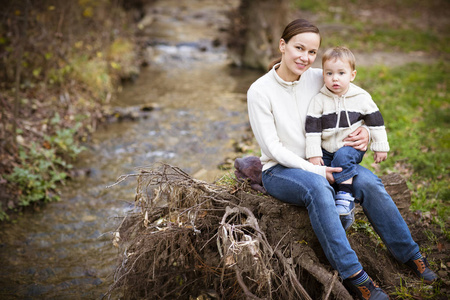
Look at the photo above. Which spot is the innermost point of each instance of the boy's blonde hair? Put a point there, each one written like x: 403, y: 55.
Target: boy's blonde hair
x: 341, y: 53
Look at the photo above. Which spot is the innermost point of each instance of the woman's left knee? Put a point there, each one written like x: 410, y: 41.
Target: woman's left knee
x: 367, y: 181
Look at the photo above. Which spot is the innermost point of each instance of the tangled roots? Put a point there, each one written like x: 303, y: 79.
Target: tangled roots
x: 191, y: 238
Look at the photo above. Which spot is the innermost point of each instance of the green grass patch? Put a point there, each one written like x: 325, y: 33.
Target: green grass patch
x: 406, y: 290
x: 401, y: 25
x: 43, y: 166
x: 389, y: 40
x: 415, y: 104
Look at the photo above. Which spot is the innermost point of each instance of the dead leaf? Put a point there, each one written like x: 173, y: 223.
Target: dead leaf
x: 116, y: 239
x: 46, y: 145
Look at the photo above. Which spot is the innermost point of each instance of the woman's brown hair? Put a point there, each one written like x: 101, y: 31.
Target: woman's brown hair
x: 292, y: 29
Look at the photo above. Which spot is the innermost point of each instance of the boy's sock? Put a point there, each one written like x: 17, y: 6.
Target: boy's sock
x: 345, y: 187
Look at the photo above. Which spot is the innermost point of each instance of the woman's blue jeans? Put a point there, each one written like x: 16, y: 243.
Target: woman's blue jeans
x: 313, y: 191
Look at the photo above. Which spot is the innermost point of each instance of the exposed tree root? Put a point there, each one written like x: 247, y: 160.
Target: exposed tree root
x: 188, y: 238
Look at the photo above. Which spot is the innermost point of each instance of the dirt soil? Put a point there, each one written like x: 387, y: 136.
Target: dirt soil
x: 281, y: 222
x: 191, y: 238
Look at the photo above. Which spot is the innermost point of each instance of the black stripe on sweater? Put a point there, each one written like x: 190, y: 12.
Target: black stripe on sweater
x: 374, y: 119
x: 329, y: 121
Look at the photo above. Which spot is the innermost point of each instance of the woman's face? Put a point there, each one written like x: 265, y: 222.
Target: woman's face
x: 298, y: 55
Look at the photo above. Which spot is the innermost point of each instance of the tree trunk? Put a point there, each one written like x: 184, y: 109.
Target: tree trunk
x: 255, y: 31
x: 21, y: 33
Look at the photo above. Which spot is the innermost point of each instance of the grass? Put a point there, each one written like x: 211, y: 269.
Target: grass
x: 413, y: 98
x: 415, y: 105
x: 407, y: 290
x: 387, y: 39
x: 401, y: 25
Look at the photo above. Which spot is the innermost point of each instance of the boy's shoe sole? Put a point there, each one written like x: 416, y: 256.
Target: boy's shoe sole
x: 347, y: 220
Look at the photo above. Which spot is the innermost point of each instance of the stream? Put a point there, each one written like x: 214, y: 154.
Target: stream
x: 64, y: 250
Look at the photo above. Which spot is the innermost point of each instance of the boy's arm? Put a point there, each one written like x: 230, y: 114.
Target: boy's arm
x: 375, y: 122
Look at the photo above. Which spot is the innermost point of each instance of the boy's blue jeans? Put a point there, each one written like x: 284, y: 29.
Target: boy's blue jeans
x: 313, y: 191
x: 347, y: 158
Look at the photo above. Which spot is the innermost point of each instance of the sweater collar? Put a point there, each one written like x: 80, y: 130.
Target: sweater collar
x: 283, y: 83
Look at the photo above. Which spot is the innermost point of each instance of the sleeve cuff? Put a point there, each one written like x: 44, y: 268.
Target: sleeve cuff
x: 380, y: 147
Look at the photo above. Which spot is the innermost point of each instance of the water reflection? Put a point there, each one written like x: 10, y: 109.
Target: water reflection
x: 64, y: 251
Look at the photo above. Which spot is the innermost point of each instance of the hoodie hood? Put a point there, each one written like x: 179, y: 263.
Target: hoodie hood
x: 353, y: 90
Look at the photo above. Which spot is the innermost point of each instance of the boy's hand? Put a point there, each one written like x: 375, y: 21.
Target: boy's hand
x: 379, y: 156
x: 317, y: 160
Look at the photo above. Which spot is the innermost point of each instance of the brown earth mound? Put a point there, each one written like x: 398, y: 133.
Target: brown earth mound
x: 188, y: 238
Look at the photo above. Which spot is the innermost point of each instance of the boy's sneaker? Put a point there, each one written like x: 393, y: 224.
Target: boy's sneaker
x: 345, y: 206
x: 348, y: 220
x: 421, y: 268
x: 367, y: 290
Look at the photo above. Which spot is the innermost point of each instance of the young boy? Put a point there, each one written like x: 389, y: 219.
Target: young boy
x: 339, y: 109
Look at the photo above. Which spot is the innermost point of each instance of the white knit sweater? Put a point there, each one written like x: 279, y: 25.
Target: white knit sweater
x: 277, y: 113
x: 332, y: 118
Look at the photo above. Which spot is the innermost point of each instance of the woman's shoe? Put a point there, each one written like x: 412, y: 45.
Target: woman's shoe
x: 421, y: 268
x: 368, y: 290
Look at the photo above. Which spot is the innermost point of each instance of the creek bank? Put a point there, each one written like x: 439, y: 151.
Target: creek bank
x: 61, y: 100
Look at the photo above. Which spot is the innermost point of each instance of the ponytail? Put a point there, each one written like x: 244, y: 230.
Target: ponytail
x: 273, y: 63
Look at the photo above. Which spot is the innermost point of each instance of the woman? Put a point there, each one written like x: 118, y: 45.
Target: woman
x: 277, y: 105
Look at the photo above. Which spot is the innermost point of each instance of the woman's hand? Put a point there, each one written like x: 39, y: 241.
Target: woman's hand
x: 317, y: 160
x: 358, y: 139
x: 329, y: 173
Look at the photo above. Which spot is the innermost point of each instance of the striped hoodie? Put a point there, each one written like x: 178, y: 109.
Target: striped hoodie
x: 331, y: 118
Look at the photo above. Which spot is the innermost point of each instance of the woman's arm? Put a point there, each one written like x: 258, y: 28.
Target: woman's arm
x: 263, y: 126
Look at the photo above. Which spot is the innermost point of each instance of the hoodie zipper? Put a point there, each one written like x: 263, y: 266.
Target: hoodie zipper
x: 338, y: 101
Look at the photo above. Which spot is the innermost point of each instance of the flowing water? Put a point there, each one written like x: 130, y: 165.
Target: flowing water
x: 64, y: 251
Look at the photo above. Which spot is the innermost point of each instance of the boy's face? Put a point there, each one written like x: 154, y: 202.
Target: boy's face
x: 337, y: 75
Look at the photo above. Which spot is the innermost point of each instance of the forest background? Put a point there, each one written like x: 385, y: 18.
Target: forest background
x: 61, y: 63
